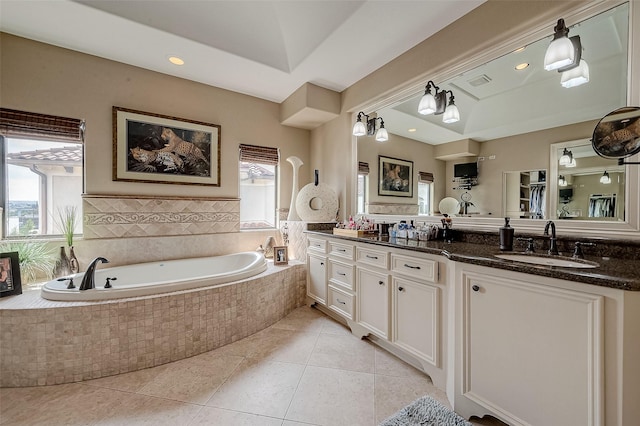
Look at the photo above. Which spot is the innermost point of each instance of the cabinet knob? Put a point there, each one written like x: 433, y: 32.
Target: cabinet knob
x: 321, y: 263
x: 400, y: 288
x: 475, y: 288
x: 381, y: 282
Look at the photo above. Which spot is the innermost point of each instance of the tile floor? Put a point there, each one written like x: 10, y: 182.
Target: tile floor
x: 304, y: 370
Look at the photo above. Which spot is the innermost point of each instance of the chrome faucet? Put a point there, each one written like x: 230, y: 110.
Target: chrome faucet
x: 88, y: 280
x: 553, y: 246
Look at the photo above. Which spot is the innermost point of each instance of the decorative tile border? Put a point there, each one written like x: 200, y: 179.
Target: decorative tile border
x: 46, y: 343
x: 392, y: 208
x: 116, y: 216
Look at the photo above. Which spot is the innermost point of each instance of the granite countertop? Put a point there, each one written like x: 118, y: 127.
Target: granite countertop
x: 618, y: 273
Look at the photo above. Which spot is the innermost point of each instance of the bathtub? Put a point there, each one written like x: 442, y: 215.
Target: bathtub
x: 159, y: 277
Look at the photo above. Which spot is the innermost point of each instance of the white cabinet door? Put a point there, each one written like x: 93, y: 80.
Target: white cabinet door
x: 317, y: 278
x: 373, y: 301
x: 416, y: 319
x: 532, y: 353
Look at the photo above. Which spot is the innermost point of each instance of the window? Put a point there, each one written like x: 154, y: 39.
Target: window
x: 258, y: 190
x: 363, y: 187
x: 43, y: 161
x: 425, y: 184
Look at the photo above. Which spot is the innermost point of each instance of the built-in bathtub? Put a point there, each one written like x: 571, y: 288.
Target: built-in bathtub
x: 46, y: 342
x: 159, y: 277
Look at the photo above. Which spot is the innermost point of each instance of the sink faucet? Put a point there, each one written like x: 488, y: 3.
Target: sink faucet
x: 88, y: 280
x: 553, y: 246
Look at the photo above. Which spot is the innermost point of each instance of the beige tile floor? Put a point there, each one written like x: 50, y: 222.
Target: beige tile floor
x: 304, y: 370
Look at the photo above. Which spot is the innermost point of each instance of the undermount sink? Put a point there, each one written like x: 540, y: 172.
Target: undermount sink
x: 547, y: 261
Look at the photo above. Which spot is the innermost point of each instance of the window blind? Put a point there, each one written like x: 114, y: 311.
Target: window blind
x: 22, y: 124
x: 425, y: 177
x: 363, y: 168
x: 259, y: 154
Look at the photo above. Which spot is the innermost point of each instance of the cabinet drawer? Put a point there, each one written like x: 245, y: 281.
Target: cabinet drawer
x: 317, y: 245
x: 341, y: 302
x: 341, y: 274
x: 372, y: 257
x: 422, y: 269
x: 341, y: 250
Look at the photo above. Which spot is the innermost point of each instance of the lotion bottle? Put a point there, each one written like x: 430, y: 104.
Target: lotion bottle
x: 506, y: 236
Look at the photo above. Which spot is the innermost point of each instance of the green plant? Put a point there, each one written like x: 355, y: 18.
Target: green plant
x: 36, y: 258
x: 67, y: 220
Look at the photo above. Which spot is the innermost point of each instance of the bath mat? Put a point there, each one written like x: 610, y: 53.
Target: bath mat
x: 425, y: 411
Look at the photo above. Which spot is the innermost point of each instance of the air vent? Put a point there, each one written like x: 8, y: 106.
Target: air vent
x: 479, y: 81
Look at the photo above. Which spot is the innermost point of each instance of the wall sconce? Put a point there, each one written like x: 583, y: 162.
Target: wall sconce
x: 562, y: 181
x: 360, y: 129
x: 605, y: 179
x: 566, y: 158
x: 565, y: 55
x: 437, y: 104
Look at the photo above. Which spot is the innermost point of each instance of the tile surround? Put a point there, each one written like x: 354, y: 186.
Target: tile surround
x: 117, y: 216
x: 46, y: 343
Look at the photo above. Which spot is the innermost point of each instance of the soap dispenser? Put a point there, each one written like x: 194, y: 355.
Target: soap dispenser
x: 506, y: 236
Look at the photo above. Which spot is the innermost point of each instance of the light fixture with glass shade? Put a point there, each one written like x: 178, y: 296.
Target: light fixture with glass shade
x: 572, y: 163
x: 437, y: 104
x: 369, y: 129
x: 605, y: 179
x: 566, y: 158
x: 575, y: 76
x: 560, y: 52
x: 451, y: 113
x: 562, y: 181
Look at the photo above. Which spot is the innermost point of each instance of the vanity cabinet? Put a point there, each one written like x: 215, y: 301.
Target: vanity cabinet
x: 317, y: 269
x: 416, y: 318
x: 317, y: 278
x: 530, y: 353
x: 373, y: 307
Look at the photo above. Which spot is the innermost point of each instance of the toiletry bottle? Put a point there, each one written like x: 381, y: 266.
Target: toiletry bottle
x: 506, y: 236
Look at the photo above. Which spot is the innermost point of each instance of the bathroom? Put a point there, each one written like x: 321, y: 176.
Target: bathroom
x: 73, y: 84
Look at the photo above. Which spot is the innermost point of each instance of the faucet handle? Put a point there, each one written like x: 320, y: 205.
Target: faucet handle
x: 577, y: 252
x: 108, y: 284
x: 530, y: 246
x: 70, y: 279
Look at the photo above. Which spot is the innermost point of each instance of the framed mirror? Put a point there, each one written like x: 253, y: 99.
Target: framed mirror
x: 586, y: 186
x: 510, y: 118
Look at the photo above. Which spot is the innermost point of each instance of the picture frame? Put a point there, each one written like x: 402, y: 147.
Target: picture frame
x: 157, y: 148
x: 395, y: 177
x: 10, y: 282
x: 280, y: 255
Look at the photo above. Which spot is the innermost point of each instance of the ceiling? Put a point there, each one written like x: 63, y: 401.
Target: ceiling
x: 266, y: 49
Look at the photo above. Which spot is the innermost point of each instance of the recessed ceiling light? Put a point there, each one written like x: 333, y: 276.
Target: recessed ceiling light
x: 175, y: 60
x: 411, y: 130
x: 522, y: 66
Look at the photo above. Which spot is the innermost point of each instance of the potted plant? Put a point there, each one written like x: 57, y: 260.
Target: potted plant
x: 36, y: 258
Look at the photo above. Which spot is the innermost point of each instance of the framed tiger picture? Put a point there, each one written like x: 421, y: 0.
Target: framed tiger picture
x: 162, y: 149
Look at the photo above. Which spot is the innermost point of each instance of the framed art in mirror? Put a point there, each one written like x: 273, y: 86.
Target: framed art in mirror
x: 162, y: 149
x: 395, y: 177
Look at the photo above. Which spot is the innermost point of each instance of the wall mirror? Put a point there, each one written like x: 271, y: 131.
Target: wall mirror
x: 589, y: 187
x: 516, y: 116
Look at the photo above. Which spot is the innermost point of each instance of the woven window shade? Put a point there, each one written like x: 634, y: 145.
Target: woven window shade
x: 425, y: 177
x: 363, y: 168
x: 21, y: 124
x: 259, y: 154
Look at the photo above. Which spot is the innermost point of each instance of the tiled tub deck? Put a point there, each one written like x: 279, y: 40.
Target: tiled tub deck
x: 44, y: 342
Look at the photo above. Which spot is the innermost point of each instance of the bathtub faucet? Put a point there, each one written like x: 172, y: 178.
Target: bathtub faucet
x: 88, y: 281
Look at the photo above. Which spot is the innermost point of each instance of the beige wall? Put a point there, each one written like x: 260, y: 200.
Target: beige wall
x: 47, y: 79
x: 529, y: 151
x: 406, y: 149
